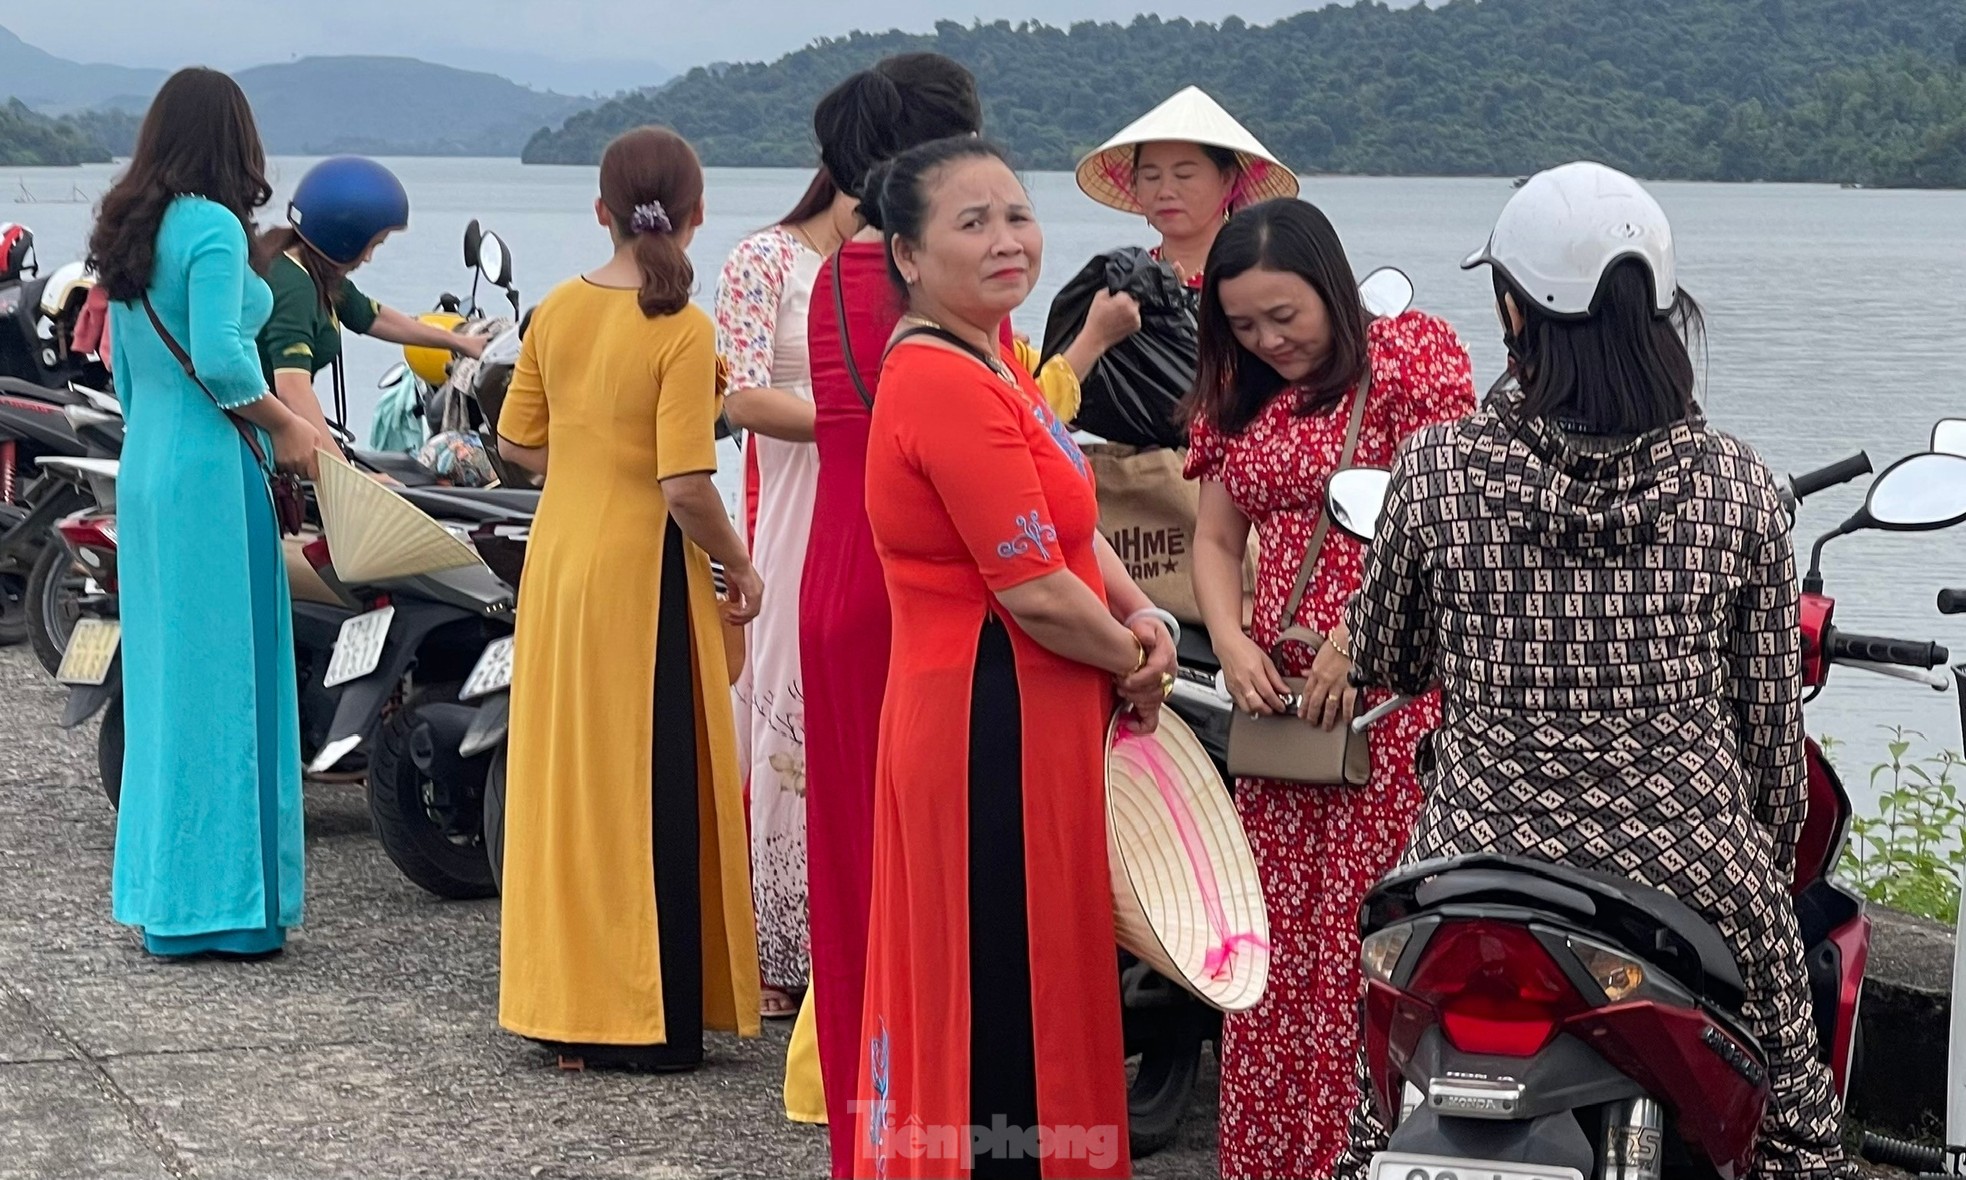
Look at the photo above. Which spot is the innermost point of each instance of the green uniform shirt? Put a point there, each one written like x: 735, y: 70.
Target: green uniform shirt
x: 301, y: 335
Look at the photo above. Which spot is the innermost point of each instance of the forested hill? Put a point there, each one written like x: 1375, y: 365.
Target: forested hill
x: 1870, y: 91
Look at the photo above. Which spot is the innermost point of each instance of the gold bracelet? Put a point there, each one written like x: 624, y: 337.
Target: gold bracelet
x: 1141, y: 648
x: 1337, y: 646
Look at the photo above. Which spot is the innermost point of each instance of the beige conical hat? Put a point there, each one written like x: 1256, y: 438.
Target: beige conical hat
x: 1191, y: 116
x: 374, y: 534
x: 1187, y: 900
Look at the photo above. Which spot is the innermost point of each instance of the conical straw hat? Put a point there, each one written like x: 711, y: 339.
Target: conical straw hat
x: 1187, y: 900
x: 1191, y: 116
x: 374, y: 534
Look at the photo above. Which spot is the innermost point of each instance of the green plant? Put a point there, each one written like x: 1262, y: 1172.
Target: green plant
x: 1909, y: 855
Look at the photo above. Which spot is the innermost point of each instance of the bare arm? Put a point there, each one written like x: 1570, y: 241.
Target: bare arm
x: 1063, y: 614
x: 773, y: 413
x: 531, y: 459
x: 295, y: 389
x: 394, y: 327
x: 1123, y: 594
x: 1221, y: 545
x: 698, y: 511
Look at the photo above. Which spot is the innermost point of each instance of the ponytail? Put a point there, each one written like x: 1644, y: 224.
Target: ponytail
x: 667, y: 276
x: 652, y: 186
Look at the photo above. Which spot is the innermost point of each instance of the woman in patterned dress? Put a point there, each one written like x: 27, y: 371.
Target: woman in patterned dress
x: 762, y: 297
x: 1285, y: 347
x: 1604, y: 588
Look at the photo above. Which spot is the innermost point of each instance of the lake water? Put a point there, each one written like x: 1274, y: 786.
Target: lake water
x: 1836, y: 318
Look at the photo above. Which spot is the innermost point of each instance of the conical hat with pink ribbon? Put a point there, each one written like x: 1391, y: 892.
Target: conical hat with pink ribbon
x: 1191, y: 116
x: 1187, y: 899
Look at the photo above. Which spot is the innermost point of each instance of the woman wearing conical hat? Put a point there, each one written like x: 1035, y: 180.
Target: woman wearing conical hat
x: 1185, y: 166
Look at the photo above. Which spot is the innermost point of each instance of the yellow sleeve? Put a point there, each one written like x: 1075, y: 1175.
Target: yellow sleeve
x: 687, y: 405
x: 522, y: 417
x: 1055, y: 379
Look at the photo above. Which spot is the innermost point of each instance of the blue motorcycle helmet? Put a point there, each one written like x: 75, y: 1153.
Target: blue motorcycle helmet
x: 344, y: 204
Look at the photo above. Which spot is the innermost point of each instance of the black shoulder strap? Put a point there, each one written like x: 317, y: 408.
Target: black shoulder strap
x: 246, y: 432
x: 937, y: 332
x: 846, y: 341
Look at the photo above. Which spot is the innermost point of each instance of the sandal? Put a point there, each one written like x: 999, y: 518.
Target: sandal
x: 775, y: 1003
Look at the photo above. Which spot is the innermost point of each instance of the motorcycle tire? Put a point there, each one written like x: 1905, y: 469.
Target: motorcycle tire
x: 109, y: 751
x: 14, y: 625
x: 52, y: 604
x: 413, y: 839
x: 494, y: 818
x: 1158, y: 1093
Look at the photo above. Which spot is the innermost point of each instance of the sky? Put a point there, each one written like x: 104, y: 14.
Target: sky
x: 573, y: 46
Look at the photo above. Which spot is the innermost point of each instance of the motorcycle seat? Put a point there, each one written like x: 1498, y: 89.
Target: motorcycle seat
x: 1653, y: 925
x: 41, y: 393
x: 478, y: 504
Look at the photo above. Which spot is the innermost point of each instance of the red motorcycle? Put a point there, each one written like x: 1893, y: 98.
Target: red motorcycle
x: 1532, y: 1021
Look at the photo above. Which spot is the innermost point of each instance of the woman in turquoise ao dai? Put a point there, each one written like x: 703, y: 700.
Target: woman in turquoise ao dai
x: 208, y: 839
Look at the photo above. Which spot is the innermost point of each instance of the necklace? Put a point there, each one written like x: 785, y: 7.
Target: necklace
x: 811, y: 243
x: 993, y: 363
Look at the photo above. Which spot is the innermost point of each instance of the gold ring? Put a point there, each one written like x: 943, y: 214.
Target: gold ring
x: 1166, y: 685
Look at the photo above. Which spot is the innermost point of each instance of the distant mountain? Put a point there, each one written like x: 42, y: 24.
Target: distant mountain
x: 1870, y: 91
x: 395, y: 106
x: 55, y: 85
x: 29, y: 139
x: 313, y: 106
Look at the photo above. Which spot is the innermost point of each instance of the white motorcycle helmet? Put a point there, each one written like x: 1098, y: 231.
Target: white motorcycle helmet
x: 1566, y: 227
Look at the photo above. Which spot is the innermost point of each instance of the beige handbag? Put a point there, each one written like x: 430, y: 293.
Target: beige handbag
x: 1283, y: 746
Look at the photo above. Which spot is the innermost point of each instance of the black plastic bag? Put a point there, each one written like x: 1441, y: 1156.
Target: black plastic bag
x: 1133, y: 393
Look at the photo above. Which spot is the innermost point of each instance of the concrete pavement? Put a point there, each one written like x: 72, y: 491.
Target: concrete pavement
x: 371, y: 1049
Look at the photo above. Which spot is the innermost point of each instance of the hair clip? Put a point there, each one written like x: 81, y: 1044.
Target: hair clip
x: 650, y: 219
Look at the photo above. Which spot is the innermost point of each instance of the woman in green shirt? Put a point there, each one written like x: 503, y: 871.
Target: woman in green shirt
x: 342, y: 210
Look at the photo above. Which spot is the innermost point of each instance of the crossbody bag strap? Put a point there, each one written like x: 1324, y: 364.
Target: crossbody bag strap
x: 1309, y: 565
x: 846, y: 342
x: 245, y: 429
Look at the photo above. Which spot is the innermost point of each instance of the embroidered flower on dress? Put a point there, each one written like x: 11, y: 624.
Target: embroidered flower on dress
x: 1031, y: 532
x: 1060, y: 435
x: 880, y: 1117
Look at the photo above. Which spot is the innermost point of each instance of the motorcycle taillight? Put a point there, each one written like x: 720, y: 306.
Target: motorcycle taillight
x: 92, y: 539
x: 1497, y: 990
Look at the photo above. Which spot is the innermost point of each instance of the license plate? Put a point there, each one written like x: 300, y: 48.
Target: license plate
x: 492, y: 673
x: 91, y: 650
x: 1388, y: 1166
x: 358, y: 649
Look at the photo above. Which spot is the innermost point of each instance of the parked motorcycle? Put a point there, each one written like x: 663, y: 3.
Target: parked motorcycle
x: 399, y: 664
x: 1532, y: 1021
x: 33, y: 426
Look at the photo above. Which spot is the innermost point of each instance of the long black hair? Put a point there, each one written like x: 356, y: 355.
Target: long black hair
x: 1626, y: 369
x: 899, y: 102
x: 199, y: 139
x: 1232, y: 384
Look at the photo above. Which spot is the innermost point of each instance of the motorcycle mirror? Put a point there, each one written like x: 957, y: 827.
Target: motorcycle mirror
x: 1354, y: 498
x: 1949, y: 436
x: 1386, y: 293
x: 473, y: 235
x: 493, y: 261
x: 391, y: 375
x: 1918, y: 493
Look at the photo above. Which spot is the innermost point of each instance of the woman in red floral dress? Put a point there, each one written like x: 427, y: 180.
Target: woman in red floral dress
x: 1285, y: 346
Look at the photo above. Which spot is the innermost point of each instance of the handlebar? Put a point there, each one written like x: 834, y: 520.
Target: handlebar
x: 1810, y: 482
x: 1846, y: 647
x: 1952, y: 602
